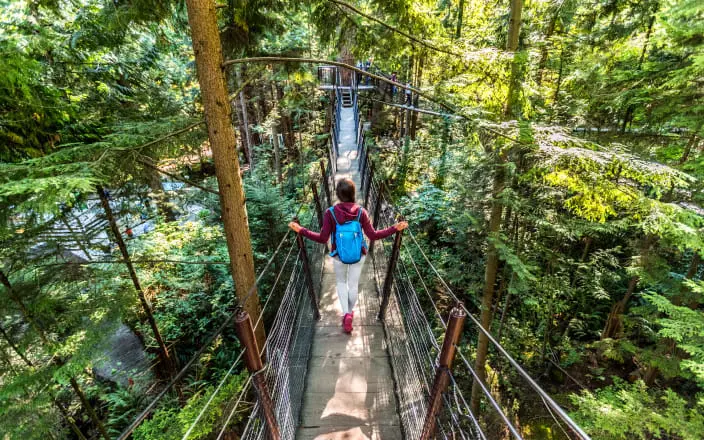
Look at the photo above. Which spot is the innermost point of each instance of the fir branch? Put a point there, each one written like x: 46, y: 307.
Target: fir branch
x: 395, y: 29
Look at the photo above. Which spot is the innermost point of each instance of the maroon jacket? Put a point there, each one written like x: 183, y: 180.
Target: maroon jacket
x: 346, y: 211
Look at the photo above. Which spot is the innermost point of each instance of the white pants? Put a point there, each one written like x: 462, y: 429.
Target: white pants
x: 347, y: 276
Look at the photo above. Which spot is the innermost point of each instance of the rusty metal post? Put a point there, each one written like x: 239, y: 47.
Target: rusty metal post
x: 326, y: 184
x: 377, y: 205
x: 389, y: 280
x: 361, y: 160
x: 442, y: 375
x: 370, y: 180
x: 255, y: 366
x: 318, y: 206
x: 309, y: 275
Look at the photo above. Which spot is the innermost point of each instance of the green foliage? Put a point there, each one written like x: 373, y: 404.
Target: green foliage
x: 171, y: 423
x: 627, y: 411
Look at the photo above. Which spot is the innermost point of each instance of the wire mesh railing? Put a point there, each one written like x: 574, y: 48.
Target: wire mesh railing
x: 412, y: 336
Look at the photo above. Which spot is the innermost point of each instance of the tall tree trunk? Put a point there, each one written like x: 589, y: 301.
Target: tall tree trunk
x: 442, y: 167
x: 492, y: 266
x: 243, y: 117
x: 91, y: 411
x: 514, y: 32
x: 647, y: 40
x: 277, y: 150
x: 514, y: 25
x: 418, y: 84
x: 14, y: 346
x: 285, y: 122
x: 26, y: 314
x: 163, y: 205
x: 544, y: 51
x: 146, y: 308
x: 460, y: 15
x: 208, y: 55
x: 556, y: 94
x: 688, y: 148
x: 613, y: 322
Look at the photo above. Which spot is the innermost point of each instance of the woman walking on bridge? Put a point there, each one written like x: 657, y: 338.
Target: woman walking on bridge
x: 345, y: 222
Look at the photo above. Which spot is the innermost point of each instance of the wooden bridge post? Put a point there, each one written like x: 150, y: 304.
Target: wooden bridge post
x: 377, y: 213
x: 389, y: 280
x: 369, y: 182
x: 255, y: 366
x: 309, y: 275
x: 326, y: 183
x: 442, y: 375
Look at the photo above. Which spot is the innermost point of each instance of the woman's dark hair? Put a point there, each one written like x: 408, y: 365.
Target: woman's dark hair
x: 345, y: 190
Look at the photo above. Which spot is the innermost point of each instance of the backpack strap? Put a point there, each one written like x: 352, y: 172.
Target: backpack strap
x: 332, y: 211
x: 359, y: 214
x: 332, y: 236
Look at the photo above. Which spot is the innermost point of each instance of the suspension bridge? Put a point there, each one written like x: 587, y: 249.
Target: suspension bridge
x: 403, y: 372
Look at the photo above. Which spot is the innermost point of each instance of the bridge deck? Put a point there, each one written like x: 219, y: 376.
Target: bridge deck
x: 349, y: 389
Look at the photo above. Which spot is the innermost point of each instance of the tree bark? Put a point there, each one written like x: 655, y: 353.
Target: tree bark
x: 556, y: 94
x: 492, y: 266
x: 160, y: 197
x: 29, y: 317
x: 688, y: 148
x: 544, y: 49
x: 514, y: 25
x: 514, y: 32
x: 91, y: 411
x: 14, y: 346
x: 244, y: 122
x: 208, y: 54
x: 163, y: 350
x: 647, y: 40
x: 460, y: 15
x: 418, y: 84
x: 277, y: 150
x: 613, y: 322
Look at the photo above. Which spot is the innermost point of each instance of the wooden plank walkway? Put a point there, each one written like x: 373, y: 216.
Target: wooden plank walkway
x: 349, y: 388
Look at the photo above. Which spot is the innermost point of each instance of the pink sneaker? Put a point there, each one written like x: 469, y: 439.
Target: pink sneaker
x: 347, y: 323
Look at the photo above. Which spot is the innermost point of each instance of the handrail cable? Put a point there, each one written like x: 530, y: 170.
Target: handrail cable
x: 212, y: 396
x: 487, y: 393
x: 449, y: 107
x: 224, y: 379
x: 437, y: 311
x: 458, y: 391
x: 243, y: 392
x: 143, y: 415
x: 531, y: 382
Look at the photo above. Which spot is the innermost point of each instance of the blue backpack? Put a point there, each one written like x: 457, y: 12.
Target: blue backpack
x: 348, y: 239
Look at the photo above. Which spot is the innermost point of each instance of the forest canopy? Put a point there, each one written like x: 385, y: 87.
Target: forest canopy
x: 549, y: 153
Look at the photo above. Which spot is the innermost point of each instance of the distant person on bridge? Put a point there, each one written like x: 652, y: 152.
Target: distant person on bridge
x: 345, y: 222
x: 408, y: 95
x: 394, y: 78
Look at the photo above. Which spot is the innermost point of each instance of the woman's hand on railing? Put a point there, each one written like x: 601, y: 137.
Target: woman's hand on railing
x: 297, y: 228
x: 400, y: 226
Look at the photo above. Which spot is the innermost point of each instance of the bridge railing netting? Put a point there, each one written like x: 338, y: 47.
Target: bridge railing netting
x: 413, y: 346
x: 413, y: 323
